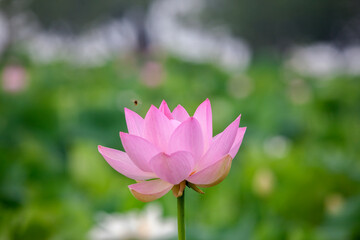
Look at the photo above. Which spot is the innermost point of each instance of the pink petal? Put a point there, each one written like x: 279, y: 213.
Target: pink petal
x: 164, y: 108
x: 158, y: 128
x: 187, y: 137
x: 122, y: 163
x: 175, y: 123
x: 212, y: 175
x: 172, y: 168
x: 148, y: 191
x: 220, y: 146
x: 139, y: 150
x: 134, y: 122
x: 180, y: 113
x: 237, y: 143
x: 204, y: 116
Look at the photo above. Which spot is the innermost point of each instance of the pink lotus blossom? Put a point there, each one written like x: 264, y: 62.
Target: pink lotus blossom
x: 168, y: 150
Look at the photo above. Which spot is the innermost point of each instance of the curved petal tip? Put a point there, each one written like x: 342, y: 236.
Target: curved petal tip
x: 213, y: 174
x: 148, y: 191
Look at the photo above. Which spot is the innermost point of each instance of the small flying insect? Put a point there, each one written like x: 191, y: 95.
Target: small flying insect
x: 136, y: 102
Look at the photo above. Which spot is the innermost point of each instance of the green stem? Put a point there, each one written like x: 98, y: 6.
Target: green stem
x: 181, y: 216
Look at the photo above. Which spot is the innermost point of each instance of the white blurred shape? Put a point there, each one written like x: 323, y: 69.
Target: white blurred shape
x: 352, y: 59
x: 318, y: 60
x: 91, y: 48
x: 192, y: 42
x: 145, y: 225
x: 234, y: 54
x: 277, y: 147
x: 166, y: 26
x: 45, y: 48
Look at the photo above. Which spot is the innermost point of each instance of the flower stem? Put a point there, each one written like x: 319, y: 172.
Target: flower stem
x: 181, y: 216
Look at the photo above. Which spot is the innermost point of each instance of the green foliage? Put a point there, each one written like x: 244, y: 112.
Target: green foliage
x: 296, y: 176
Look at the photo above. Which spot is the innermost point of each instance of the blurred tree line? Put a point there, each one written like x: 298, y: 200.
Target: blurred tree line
x: 72, y: 16
x: 280, y: 23
x: 262, y: 23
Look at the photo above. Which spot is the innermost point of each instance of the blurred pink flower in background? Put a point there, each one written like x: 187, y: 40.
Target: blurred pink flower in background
x: 14, y: 78
x: 152, y: 74
x: 172, y: 150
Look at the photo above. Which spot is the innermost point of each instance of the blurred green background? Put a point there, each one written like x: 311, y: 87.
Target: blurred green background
x: 296, y: 176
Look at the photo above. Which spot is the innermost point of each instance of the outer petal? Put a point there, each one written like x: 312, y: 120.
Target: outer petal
x: 122, y: 163
x: 139, y: 150
x: 158, y: 128
x: 237, y: 143
x: 212, y: 175
x: 204, y: 116
x: 173, y: 168
x: 180, y: 113
x: 220, y: 146
x: 148, y: 191
x: 164, y: 108
x: 134, y: 122
x: 175, y: 123
x: 187, y: 137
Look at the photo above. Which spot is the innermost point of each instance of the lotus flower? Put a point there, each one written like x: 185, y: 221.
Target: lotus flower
x: 169, y: 150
